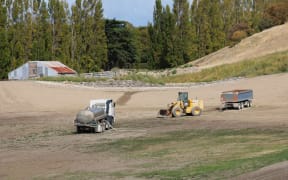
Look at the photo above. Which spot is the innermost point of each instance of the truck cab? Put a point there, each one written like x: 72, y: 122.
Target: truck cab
x: 107, y: 105
x: 97, y: 117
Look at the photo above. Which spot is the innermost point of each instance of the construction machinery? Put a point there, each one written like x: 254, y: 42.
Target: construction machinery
x: 239, y: 98
x: 183, y: 106
x: 97, y: 117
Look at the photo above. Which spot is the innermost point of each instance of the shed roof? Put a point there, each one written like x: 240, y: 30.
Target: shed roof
x: 58, y: 67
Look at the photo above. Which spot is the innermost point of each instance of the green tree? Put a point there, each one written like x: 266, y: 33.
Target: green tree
x: 203, y: 28
x: 58, y: 11
x: 143, y: 45
x: 156, y: 35
x: 169, y: 53
x: 27, y: 32
x: 183, y: 40
x: 99, y: 41
x: 217, y: 26
x: 89, y: 42
x: 4, y: 45
x: 122, y: 51
x: 194, y: 30
x: 16, y: 34
x: 42, y: 39
x: 76, y: 41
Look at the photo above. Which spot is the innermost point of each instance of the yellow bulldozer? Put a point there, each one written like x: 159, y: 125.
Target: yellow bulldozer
x: 183, y: 106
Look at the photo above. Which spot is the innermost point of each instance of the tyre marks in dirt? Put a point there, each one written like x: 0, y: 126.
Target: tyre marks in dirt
x: 6, y: 98
x: 9, y: 97
x: 124, y: 99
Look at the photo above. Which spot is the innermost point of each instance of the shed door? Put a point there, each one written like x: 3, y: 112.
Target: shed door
x: 32, y: 69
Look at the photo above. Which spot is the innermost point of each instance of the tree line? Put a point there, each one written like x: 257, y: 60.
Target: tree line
x: 187, y: 32
x: 81, y: 38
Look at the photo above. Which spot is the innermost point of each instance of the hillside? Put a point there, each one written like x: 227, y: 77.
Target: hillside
x: 260, y: 44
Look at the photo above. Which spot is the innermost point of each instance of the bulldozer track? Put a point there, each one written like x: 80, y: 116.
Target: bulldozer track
x: 124, y: 99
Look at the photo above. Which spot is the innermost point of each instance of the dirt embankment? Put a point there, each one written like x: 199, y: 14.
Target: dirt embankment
x: 267, y: 42
x: 258, y: 45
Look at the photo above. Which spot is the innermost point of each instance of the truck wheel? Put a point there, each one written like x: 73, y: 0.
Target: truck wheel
x: 196, y: 111
x: 249, y: 103
x: 176, y: 111
x: 78, y: 129
x: 110, y: 120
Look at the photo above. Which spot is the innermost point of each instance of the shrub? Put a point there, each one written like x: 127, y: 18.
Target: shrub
x: 274, y: 14
x: 174, y: 71
x: 238, y: 35
x: 239, y: 31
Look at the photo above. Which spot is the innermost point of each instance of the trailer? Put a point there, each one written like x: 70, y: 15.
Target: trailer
x: 236, y: 99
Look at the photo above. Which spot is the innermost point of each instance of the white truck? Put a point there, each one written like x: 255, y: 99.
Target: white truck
x: 97, y: 117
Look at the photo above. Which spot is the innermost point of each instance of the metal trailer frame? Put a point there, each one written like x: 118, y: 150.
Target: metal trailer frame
x: 236, y: 99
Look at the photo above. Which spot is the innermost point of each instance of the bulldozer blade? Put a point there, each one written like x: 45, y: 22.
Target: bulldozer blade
x: 164, y: 113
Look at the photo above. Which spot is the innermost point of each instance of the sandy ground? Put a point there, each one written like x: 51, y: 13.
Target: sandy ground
x: 41, y: 112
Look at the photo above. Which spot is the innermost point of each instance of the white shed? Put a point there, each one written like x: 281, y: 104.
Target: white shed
x: 34, y: 69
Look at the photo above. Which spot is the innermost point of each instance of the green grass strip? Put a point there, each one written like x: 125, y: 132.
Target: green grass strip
x: 270, y: 64
x: 222, y: 169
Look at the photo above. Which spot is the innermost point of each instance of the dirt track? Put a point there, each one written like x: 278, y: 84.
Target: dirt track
x: 37, y: 134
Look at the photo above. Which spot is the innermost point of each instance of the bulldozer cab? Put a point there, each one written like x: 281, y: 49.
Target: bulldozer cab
x: 183, y: 96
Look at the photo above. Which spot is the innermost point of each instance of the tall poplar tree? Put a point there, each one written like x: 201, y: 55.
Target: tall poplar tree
x: 42, y: 40
x: 89, y: 45
x: 194, y: 30
x: 28, y: 28
x: 203, y: 27
x: 183, y: 31
x: 16, y: 34
x: 217, y: 32
x: 60, y: 30
x: 76, y: 41
x: 169, y: 53
x: 4, y: 45
x: 99, y: 40
x: 156, y: 35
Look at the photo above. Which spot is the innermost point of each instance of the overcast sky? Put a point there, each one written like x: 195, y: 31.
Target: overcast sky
x: 137, y: 12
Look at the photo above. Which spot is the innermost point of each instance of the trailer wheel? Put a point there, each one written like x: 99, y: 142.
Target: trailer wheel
x: 240, y: 105
x: 196, y: 111
x: 249, y: 103
x: 176, y: 111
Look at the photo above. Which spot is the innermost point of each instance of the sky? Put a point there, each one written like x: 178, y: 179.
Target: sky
x: 137, y: 12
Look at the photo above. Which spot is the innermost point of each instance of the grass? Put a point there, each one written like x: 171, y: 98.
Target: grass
x: 215, y: 170
x: 78, y: 79
x: 190, y: 154
x: 33, y: 139
x: 142, y: 78
x: 212, y: 154
x: 270, y: 64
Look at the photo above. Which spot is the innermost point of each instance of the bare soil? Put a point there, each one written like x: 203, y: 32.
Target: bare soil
x: 266, y: 42
x: 38, y: 140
